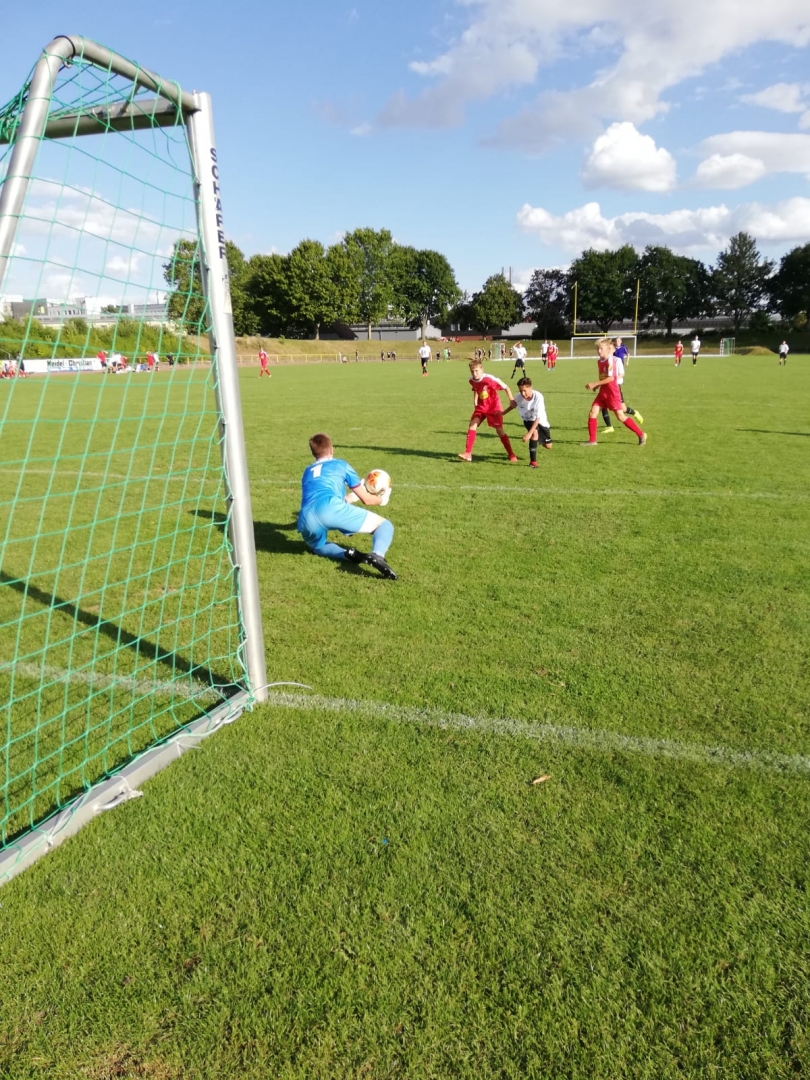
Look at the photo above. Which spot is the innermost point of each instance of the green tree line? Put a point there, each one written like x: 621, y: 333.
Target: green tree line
x: 742, y: 285
x: 367, y: 278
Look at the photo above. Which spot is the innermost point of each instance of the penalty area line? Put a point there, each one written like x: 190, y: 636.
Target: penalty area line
x: 582, y: 738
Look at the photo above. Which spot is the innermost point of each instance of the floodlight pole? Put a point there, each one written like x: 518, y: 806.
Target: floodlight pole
x: 216, y: 286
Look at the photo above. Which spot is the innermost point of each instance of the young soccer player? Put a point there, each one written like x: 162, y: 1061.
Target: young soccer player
x: 551, y: 356
x: 424, y: 356
x: 695, y: 349
x: 608, y: 394
x: 520, y: 360
x: 678, y: 353
x: 784, y: 349
x: 325, y: 505
x: 487, y: 406
x: 532, y: 409
x: 264, y: 362
x: 544, y: 352
x: 618, y: 364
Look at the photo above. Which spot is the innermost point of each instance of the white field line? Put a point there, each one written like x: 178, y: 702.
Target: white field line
x: 583, y: 738
x: 99, y: 681
x: 625, y: 493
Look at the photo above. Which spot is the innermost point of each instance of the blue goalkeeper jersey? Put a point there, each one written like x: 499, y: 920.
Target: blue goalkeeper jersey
x: 325, y: 480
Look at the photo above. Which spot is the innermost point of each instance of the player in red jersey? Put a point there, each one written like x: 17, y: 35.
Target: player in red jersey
x: 263, y: 360
x: 487, y: 406
x: 609, y: 395
x: 551, y: 356
x: 678, y: 353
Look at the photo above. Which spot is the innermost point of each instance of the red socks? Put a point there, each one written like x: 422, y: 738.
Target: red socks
x: 471, y: 433
x: 591, y: 429
x: 507, y: 445
x: 630, y: 423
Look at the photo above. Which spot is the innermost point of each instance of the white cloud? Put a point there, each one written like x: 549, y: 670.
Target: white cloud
x: 784, y: 97
x: 738, y: 158
x: 703, y: 229
x: 624, y: 158
x: 729, y: 171
x: 505, y: 43
x: 361, y: 130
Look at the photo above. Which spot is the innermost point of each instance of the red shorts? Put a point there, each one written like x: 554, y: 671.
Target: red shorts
x: 609, y: 397
x: 494, y: 419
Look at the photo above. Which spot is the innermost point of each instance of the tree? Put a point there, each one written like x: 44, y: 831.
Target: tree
x: 672, y: 287
x: 265, y: 285
x: 369, y: 255
x: 741, y: 278
x: 546, y: 301
x: 310, y: 290
x: 606, y: 285
x: 424, y: 285
x: 245, y: 320
x: 186, y: 305
x: 790, y: 285
x: 497, y: 306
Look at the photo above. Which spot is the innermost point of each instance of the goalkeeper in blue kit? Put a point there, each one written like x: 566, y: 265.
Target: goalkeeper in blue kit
x: 325, y: 504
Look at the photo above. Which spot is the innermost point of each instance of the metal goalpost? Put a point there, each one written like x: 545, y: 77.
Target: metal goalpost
x: 36, y: 121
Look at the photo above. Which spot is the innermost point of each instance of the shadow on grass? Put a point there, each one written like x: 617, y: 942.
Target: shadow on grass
x: 768, y: 431
x: 140, y: 645
x: 270, y: 536
x: 402, y: 451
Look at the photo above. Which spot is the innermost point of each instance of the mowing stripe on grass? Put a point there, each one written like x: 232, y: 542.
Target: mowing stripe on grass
x: 584, y: 738
x: 655, y: 493
x: 626, y: 493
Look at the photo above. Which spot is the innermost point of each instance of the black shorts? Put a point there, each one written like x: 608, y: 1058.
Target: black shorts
x: 543, y: 434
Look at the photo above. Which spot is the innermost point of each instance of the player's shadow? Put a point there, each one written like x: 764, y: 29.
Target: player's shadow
x: 141, y: 646
x: 270, y: 536
x: 402, y: 451
x: 769, y: 431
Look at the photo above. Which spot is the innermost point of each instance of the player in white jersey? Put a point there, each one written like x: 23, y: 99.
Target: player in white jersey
x: 618, y: 369
x: 695, y: 349
x: 784, y: 349
x: 424, y: 356
x: 520, y: 359
x: 532, y: 408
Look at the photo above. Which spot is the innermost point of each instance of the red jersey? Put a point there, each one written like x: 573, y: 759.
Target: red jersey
x: 679, y: 351
x: 263, y: 358
x: 486, y: 389
x: 607, y: 367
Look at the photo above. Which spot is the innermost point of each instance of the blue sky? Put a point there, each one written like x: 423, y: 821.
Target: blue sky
x: 499, y: 132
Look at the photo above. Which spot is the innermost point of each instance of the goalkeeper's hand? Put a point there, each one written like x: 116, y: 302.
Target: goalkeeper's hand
x: 385, y: 497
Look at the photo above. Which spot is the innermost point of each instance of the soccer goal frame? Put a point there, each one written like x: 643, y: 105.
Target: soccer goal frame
x: 169, y: 106
x: 728, y: 346
x: 598, y: 337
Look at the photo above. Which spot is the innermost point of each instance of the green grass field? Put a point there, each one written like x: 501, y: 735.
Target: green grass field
x: 366, y: 882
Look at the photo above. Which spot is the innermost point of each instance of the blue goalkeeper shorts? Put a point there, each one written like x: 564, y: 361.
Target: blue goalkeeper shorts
x: 315, y: 521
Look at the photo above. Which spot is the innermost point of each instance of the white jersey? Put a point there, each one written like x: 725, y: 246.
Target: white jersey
x: 520, y: 352
x: 533, y: 409
x: 544, y: 349
x: 696, y: 345
x: 784, y: 349
x: 424, y: 352
x: 618, y: 370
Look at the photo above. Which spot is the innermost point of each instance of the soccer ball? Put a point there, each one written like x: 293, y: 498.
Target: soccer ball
x: 377, y: 481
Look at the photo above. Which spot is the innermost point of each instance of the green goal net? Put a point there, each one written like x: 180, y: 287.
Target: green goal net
x: 128, y: 596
